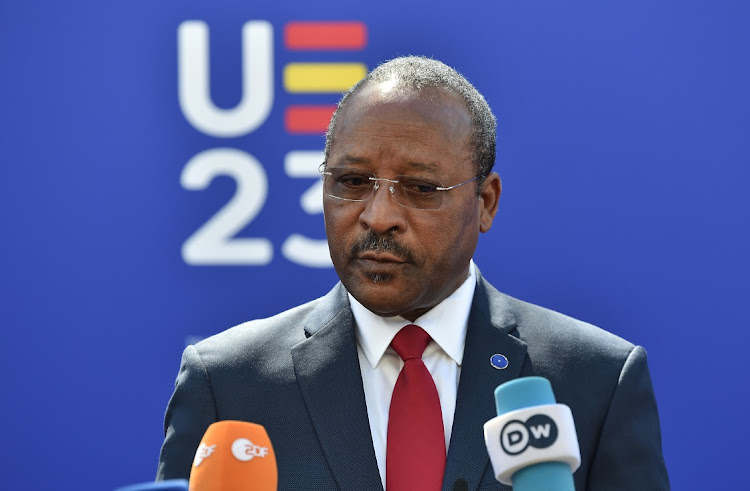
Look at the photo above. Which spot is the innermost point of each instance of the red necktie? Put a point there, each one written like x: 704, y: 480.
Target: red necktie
x: 415, y: 453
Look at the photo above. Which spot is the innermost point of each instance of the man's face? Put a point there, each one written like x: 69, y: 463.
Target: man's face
x: 397, y: 260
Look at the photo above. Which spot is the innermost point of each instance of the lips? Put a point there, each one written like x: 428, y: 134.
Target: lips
x: 383, y: 249
x: 380, y: 257
x: 371, y: 262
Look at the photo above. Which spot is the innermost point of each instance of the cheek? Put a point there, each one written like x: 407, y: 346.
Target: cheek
x: 341, y: 226
x: 457, y: 235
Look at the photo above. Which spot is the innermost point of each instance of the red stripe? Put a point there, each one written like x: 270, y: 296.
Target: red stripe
x: 307, y: 119
x: 325, y: 35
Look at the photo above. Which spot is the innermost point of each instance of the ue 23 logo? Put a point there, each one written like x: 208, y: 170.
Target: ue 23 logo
x: 214, y: 242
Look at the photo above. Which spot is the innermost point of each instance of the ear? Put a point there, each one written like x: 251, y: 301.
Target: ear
x: 488, y: 199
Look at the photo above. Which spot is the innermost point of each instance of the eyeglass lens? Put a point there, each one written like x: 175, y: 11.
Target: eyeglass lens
x: 358, y: 185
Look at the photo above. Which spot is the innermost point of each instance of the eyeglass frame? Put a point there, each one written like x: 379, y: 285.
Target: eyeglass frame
x: 376, y: 186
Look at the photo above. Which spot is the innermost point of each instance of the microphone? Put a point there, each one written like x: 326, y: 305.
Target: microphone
x: 234, y: 456
x: 532, y: 442
x: 169, y: 485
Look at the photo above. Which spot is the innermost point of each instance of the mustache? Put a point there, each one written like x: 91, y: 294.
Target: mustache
x: 382, y: 243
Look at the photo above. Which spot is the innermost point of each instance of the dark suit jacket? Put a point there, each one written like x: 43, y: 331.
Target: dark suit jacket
x: 297, y: 374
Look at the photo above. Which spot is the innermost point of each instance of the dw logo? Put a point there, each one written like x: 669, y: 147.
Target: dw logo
x: 215, y: 242
x: 539, y: 431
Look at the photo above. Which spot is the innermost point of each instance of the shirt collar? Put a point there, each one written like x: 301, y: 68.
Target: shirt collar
x: 445, y: 323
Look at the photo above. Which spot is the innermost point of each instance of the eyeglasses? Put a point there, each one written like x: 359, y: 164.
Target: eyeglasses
x: 350, y: 184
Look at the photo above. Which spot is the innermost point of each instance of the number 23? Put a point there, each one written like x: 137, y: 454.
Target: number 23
x: 214, y: 243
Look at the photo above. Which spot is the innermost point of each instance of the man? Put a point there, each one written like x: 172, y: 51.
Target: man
x: 326, y: 379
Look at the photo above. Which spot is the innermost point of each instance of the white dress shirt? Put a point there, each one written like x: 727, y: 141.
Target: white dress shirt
x: 380, y: 365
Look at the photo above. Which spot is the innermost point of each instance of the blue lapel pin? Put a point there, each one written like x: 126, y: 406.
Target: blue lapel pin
x: 499, y: 361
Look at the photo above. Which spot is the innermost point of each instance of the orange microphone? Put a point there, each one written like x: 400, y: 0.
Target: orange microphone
x: 234, y: 456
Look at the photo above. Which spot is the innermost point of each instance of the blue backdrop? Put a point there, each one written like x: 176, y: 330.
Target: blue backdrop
x: 623, y: 149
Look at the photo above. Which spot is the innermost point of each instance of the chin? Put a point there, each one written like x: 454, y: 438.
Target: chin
x: 379, y: 277
x: 379, y: 298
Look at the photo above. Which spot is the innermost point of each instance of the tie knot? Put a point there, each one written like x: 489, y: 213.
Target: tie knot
x: 410, y: 342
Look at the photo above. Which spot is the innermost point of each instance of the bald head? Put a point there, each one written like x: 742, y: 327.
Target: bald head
x: 429, y: 77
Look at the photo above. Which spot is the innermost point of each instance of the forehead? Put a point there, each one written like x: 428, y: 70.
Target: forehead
x: 380, y: 122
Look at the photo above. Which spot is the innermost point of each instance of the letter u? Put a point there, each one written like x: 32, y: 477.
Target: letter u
x: 194, y: 89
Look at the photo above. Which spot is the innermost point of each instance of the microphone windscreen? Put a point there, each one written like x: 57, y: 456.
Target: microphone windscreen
x: 532, y: 442
x: 234, y: 456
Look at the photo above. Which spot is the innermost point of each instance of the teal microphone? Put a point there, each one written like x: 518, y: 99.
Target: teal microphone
x: 532, y: 442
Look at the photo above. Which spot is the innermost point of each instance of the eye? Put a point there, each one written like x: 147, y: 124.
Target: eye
x: 418, y: 187
x: 354, y: 180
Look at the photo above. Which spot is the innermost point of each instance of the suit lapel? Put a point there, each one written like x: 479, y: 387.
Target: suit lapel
x: 490, y: 323
x: 327, y: 369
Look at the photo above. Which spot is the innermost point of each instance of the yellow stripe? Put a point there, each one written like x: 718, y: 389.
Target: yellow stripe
x: 322, y: 77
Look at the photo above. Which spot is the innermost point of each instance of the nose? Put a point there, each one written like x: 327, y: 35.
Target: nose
x: 382, y: 214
